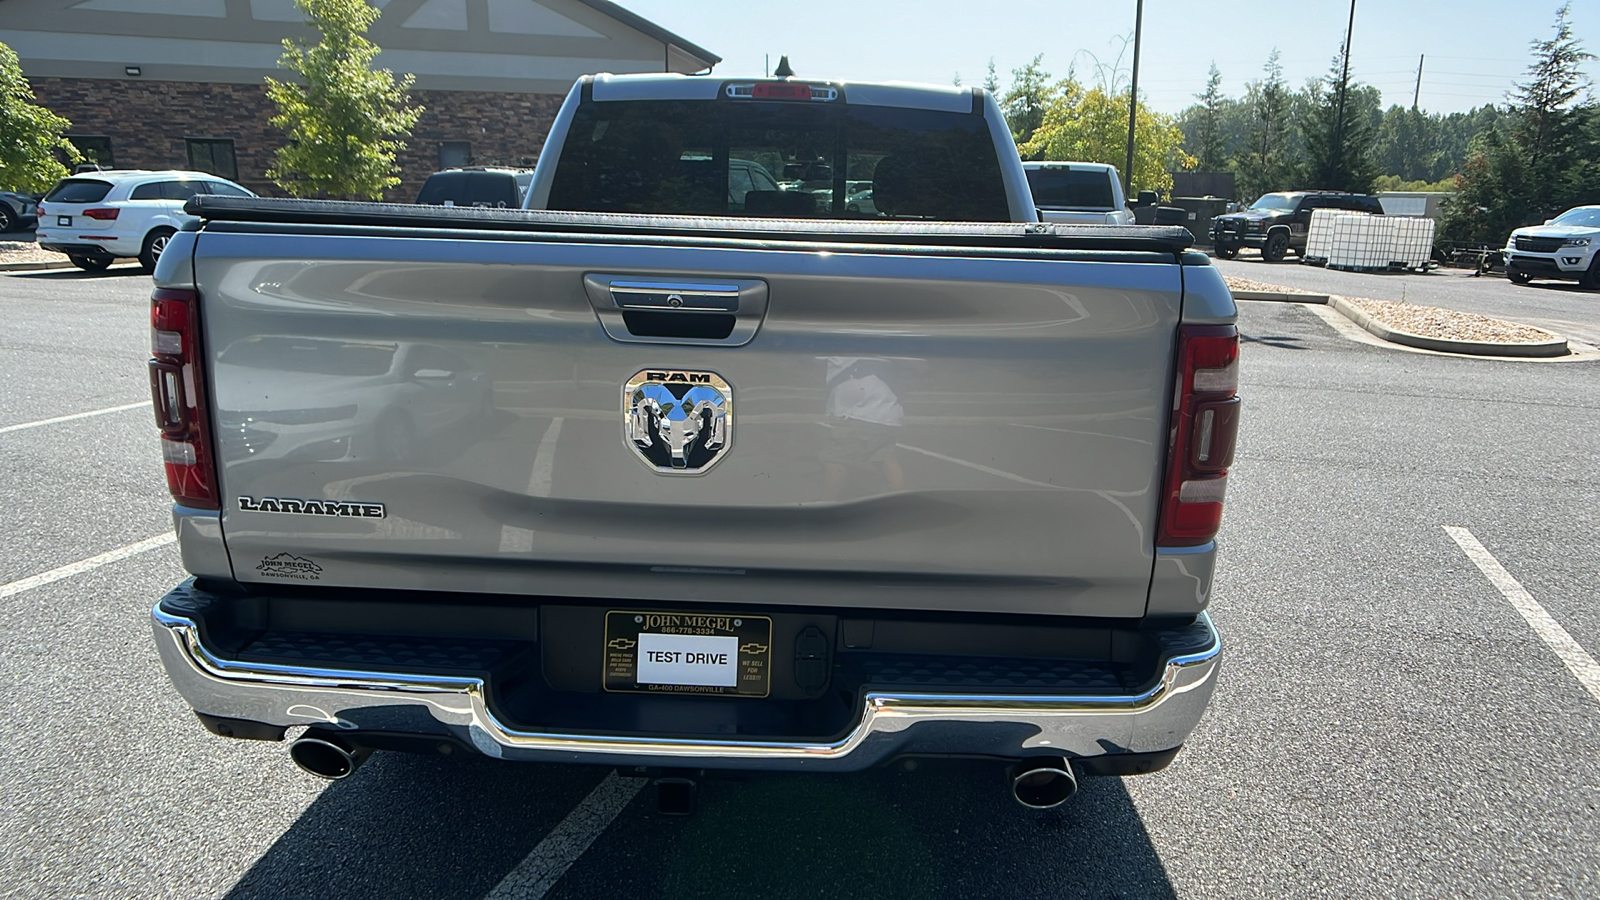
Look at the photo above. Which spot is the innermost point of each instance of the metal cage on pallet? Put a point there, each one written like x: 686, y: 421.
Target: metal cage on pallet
x: 1349, y: 240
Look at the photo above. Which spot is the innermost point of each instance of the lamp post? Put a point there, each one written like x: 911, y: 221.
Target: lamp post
x: 1344, y: 79
x: 1133, y: 100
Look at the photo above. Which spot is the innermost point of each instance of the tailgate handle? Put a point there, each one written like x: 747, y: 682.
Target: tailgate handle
x: 712, y: 311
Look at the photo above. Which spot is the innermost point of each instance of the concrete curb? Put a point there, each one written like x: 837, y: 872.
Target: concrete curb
x: 33, y: 266
x: 1280, y: 296
x: 1540, y: 350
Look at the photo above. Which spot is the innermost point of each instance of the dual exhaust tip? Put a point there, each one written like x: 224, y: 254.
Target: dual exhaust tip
x: 327, y: 757
x: 1043, y: 782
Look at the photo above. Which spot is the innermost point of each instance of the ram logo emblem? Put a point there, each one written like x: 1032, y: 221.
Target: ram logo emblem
x: 678, y: 422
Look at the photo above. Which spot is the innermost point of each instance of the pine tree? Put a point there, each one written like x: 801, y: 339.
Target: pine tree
x: 991, y: 82
x: 1262, y: 166
x: 1337, y: 135
x: 1537, y: 159
x: 1549, y: 128
x: 1208, y: 136
x: 1026, y: 102
x: 349, y: 120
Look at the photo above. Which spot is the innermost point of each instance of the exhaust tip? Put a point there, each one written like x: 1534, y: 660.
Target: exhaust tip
x: 326, y: 758
x: 1043, y: 783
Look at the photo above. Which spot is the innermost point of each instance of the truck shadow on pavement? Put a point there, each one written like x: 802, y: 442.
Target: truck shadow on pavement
x: 1281, y: 341
x: 81, y: 275
x: 453, y: 827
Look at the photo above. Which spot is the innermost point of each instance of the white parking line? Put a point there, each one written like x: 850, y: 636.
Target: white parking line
x: 544, y: 460
x: 82, y: 415
x: 545, y: 864
x: 520, y: 540
x: 14, y: 588
x: 987, y: 470
x: 1578, y: 661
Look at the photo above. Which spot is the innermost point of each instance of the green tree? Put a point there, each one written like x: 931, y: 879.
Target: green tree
x: 1025, y: 103
x: 1337, y: 134
x: 348, y: 120
x: 1262, y: 166
x: 30, y: 135
x: 1396, y: 183
x: 1539, y: 159
x: 1092, y: 126
x: 1207, y: 143
x: 991, y: 81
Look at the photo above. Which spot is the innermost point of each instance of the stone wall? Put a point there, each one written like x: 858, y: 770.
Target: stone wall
x: 147, y: 122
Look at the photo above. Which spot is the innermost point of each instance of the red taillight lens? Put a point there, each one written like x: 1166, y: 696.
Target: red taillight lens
x: 178, y: 391
x: 768, y: 90
x: 104, y: 213
x: 40, y: 209
x: 1205, y: 428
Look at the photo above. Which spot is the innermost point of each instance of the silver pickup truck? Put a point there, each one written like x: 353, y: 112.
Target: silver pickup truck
x: 683, y: 472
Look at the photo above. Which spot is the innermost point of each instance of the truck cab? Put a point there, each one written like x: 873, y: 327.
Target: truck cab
x: 1078, y: 193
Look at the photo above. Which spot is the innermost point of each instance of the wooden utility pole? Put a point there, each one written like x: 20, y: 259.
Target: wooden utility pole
x: 1344, y: 81
x: 1418, y: 92
x: 1133, y: 102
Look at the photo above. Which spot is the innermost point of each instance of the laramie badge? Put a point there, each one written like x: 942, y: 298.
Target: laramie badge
x: 679, y: 422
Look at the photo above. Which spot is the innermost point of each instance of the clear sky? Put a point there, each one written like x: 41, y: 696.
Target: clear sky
x: 1475, y: 49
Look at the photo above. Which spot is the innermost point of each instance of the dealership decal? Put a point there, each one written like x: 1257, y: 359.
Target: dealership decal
x: 287, y: 565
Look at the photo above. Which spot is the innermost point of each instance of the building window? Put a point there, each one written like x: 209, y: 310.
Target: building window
x: 94, y: 148
x: 454, y: 154
x: 213, y: 155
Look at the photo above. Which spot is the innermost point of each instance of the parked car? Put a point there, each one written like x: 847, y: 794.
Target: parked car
x: 1566, y: 248
x: 17, y: 210
x: 1278, y: 223
x: 861, y: 202
x: 745, y: 176
x: 97, y: 218
x: 347, y: 400
x: 1078, y: 193
x: 476, y: 186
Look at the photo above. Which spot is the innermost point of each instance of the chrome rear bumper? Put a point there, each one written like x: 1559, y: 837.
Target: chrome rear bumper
x: 890, y: 724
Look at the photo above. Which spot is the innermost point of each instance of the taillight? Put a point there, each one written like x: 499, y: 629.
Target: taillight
x: 104, y: 213
x: 179, y: 392
x: 1205, y: 428
x: 39, y: 208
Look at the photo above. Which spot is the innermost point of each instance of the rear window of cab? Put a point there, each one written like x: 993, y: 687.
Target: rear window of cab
x: 1061, y: 186
x: 778, y: 159
x: 78, y: 190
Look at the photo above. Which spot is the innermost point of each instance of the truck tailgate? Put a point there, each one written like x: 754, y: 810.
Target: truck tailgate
x: 969, y: 432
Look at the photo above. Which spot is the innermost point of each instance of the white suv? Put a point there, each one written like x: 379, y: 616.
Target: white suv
x: 99, y: 216
x: 1565, y: 248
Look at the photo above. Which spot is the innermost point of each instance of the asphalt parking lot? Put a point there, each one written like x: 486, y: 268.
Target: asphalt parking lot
x: 1393, y: 719
x: 1559, y: 306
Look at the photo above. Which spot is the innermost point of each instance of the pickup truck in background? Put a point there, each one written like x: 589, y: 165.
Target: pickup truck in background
x: 760, y: 483
x: 1078, y: 193
x: 1278, y: 224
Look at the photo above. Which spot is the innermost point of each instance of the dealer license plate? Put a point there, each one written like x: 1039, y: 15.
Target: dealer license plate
x: 688, y: 653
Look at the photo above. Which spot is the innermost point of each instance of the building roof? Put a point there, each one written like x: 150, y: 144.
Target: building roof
x: 634, y: 20
x: 520, y: 46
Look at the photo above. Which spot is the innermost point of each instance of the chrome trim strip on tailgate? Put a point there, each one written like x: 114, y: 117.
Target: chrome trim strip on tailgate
x: 892, y: 723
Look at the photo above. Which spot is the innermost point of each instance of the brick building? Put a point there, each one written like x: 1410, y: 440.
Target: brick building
x: 158, y: 84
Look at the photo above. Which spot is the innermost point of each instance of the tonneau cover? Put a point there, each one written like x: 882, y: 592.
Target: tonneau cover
x: 1013, y: 235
